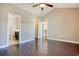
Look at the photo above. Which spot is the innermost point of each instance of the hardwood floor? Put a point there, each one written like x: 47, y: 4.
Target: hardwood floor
x: 39, y: 48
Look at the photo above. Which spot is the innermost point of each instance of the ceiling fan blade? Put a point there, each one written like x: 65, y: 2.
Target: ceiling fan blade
x: 49, y: 5
x: 35, y: 5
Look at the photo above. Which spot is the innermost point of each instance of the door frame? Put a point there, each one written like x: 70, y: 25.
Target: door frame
x: 19, y: 16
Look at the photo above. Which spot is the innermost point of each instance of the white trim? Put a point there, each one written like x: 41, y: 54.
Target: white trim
x: 4, y: 46
x: 63, y: 40
x: 25, y: 41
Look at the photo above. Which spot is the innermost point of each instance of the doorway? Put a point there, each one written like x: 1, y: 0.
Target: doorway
x: 13, y: 29
x: 42, y: 29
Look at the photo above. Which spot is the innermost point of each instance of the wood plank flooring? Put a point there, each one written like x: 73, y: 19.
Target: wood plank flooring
x: 39, y: 48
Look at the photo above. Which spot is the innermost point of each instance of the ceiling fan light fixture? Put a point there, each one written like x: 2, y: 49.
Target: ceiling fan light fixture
x: 42, y: 5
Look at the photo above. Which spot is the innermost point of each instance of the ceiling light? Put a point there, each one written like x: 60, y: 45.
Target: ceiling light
x: 42, y: 5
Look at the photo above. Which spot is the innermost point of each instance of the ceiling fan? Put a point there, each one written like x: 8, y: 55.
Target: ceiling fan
x: 42, y: 5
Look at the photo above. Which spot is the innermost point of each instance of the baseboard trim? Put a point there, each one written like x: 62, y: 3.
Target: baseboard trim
x: 4, y: 46
x: 25, y: 41
x: 75, y: 42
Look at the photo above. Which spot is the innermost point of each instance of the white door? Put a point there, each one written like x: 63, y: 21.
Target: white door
x: 40, y: 29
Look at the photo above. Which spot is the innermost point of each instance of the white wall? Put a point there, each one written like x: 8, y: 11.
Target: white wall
x: 63, y: 23
x: 27, y: 24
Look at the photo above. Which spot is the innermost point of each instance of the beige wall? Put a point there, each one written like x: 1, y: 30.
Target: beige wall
x: 63, y: 23
x: 27, y: 24
x: 0, y: 25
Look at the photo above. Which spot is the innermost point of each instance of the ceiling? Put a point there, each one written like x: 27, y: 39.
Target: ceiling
x: 37, y: 10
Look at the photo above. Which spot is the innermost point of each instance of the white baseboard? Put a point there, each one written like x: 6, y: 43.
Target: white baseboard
x: 4, y: 46
x: 76, y: 42
x: 25, y: 41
